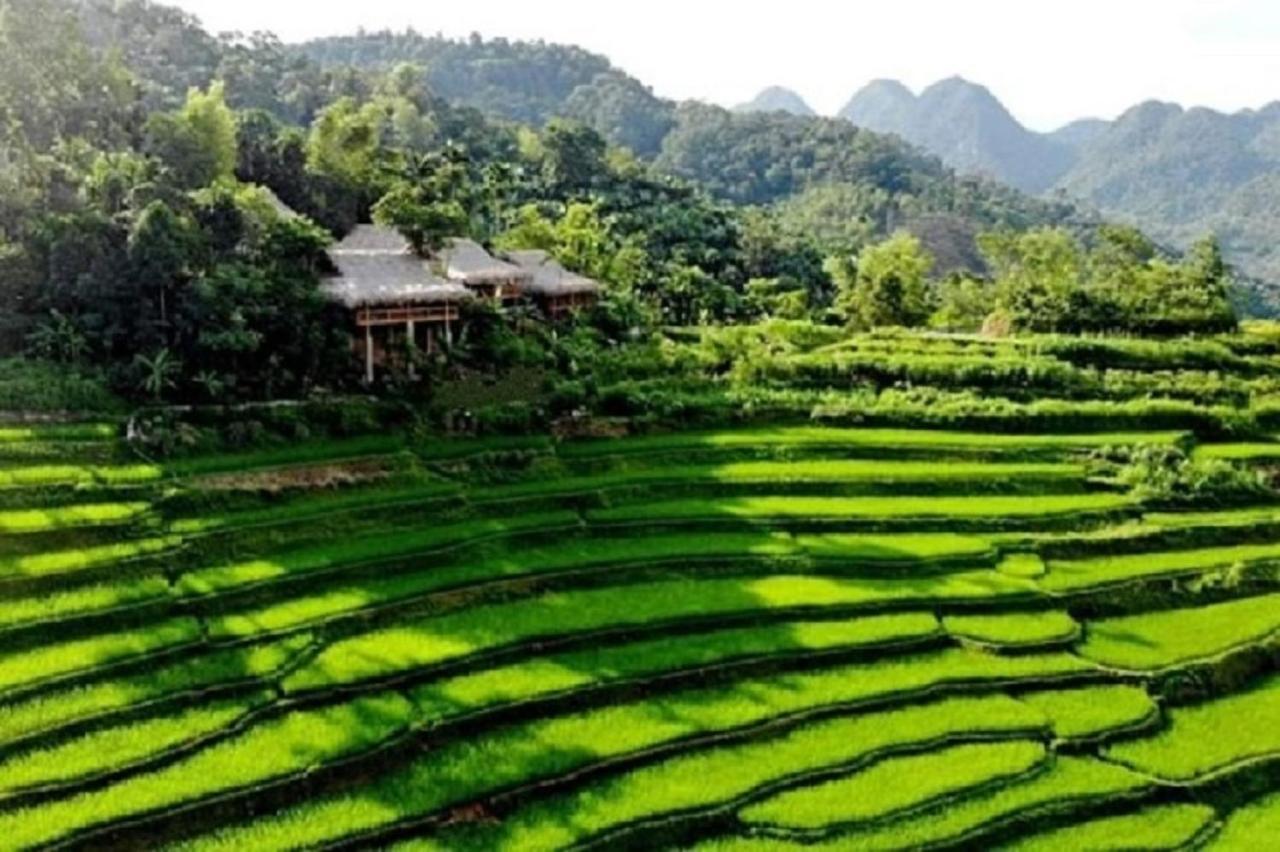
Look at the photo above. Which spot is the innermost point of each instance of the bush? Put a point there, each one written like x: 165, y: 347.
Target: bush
x: 1166, y: 475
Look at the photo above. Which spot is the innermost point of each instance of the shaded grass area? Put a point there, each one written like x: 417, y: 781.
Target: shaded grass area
x: 291, y: 744
x: 1066, y: 575
x: 1244, y: 826
x: 1155, y: 640
x: 113, y: 747
x: 52, y: 563
x: 1013, y: 629
x: 836, y: 437
x: 98, y: 698
x: 691, y: 786
x: 1087, y: 713
x: 1202, y: 738
x: 1070, y: 779
x: 435, y: 640
x: 1158, y: 827
x: 50, y: 661
x: 896, y: 784
x: 18, y: 521
x: 540, y: 749
x: 998, y: 506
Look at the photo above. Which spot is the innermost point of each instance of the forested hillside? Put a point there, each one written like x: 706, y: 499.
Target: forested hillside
x: 1179, y: 172
x: 1174, y: 172
x: 152, y: 235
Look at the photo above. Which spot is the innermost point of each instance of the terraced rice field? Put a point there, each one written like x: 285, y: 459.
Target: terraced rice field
x: 774, y: 638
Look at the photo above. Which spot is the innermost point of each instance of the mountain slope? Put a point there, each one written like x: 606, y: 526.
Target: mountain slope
x: 777, y: 99
x: 965, y: 125
x: 1180, y: 173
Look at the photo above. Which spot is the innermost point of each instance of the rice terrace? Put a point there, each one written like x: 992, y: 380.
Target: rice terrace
x: 776, y: 634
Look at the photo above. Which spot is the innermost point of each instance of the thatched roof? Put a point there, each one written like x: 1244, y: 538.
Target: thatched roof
x: 467, y: 262
x: 549, y: 277
x: 376, y: 266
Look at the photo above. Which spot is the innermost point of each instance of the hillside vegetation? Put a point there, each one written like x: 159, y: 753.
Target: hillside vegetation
x: 785, y: 623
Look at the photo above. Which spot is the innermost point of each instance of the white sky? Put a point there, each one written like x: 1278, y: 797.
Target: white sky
x: 1049, y: 62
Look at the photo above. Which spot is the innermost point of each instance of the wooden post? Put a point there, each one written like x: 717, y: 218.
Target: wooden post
x: 368, y: 354
x: 412, y: 348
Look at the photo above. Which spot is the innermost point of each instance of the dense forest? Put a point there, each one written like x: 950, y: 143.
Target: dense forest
x: 145, y: 168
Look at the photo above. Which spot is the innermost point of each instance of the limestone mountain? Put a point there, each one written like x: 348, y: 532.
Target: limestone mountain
x: 777, y: 99
x: 965, y: 125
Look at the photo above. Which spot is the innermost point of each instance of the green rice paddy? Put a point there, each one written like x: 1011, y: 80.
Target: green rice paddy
x: 762, y: 638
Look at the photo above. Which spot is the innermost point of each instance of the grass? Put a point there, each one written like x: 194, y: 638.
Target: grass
x: 1014, y: 628
x: 450, y: 637
x: 1066, y: 575
x: 62, y: 432
x: 897, y: 784
x: 79, y: 559
x: 1238, y: 452
x: 461, y: 771
x: 16, y: 521
x: 1084, y: 713
x: 1028, y: 565
x: 801, y: 682
x: 34, y: 476
x: 836, y: 437
x: 293, y: 454
x: 342, y: 552
x: 1247, y: 516
x: 1069, y: 779
x: 81, y: 600
x: 559, y: 673
x: 48, y: 661
x: 458, y: 568
x: 313, y: 506
x: 1244, y: 826
x: 51, y: 710
x: 1158, y: 827
x: 718, y: 777
x: 986, y: 506
x: 1202, y: 738
x: 291, y: 744
x: 784, y: 472
x: 1156, y: 640
x: 109, y: 748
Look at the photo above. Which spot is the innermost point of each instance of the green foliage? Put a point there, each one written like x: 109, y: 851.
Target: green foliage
x: 885, y: 285
x: 197, y: 143
x: 1046, y: 281
x: 1168, y: 475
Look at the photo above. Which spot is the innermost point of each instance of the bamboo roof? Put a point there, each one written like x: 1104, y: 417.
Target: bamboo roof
x: 376, y: 266
x: 549, y: 278
x: 467, y: 262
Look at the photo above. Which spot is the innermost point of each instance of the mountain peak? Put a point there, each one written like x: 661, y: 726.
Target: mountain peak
x: 777, y: 99
x: 966, y: 125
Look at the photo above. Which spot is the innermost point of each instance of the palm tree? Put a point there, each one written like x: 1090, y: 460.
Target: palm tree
x: 158, y: 372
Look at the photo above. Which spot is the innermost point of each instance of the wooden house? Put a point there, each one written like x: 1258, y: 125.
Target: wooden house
x: 466, y: 262
x: 555, y: 290
x: 396, y: 302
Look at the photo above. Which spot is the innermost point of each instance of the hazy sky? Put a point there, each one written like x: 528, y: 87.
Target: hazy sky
x: 1049, y: 62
